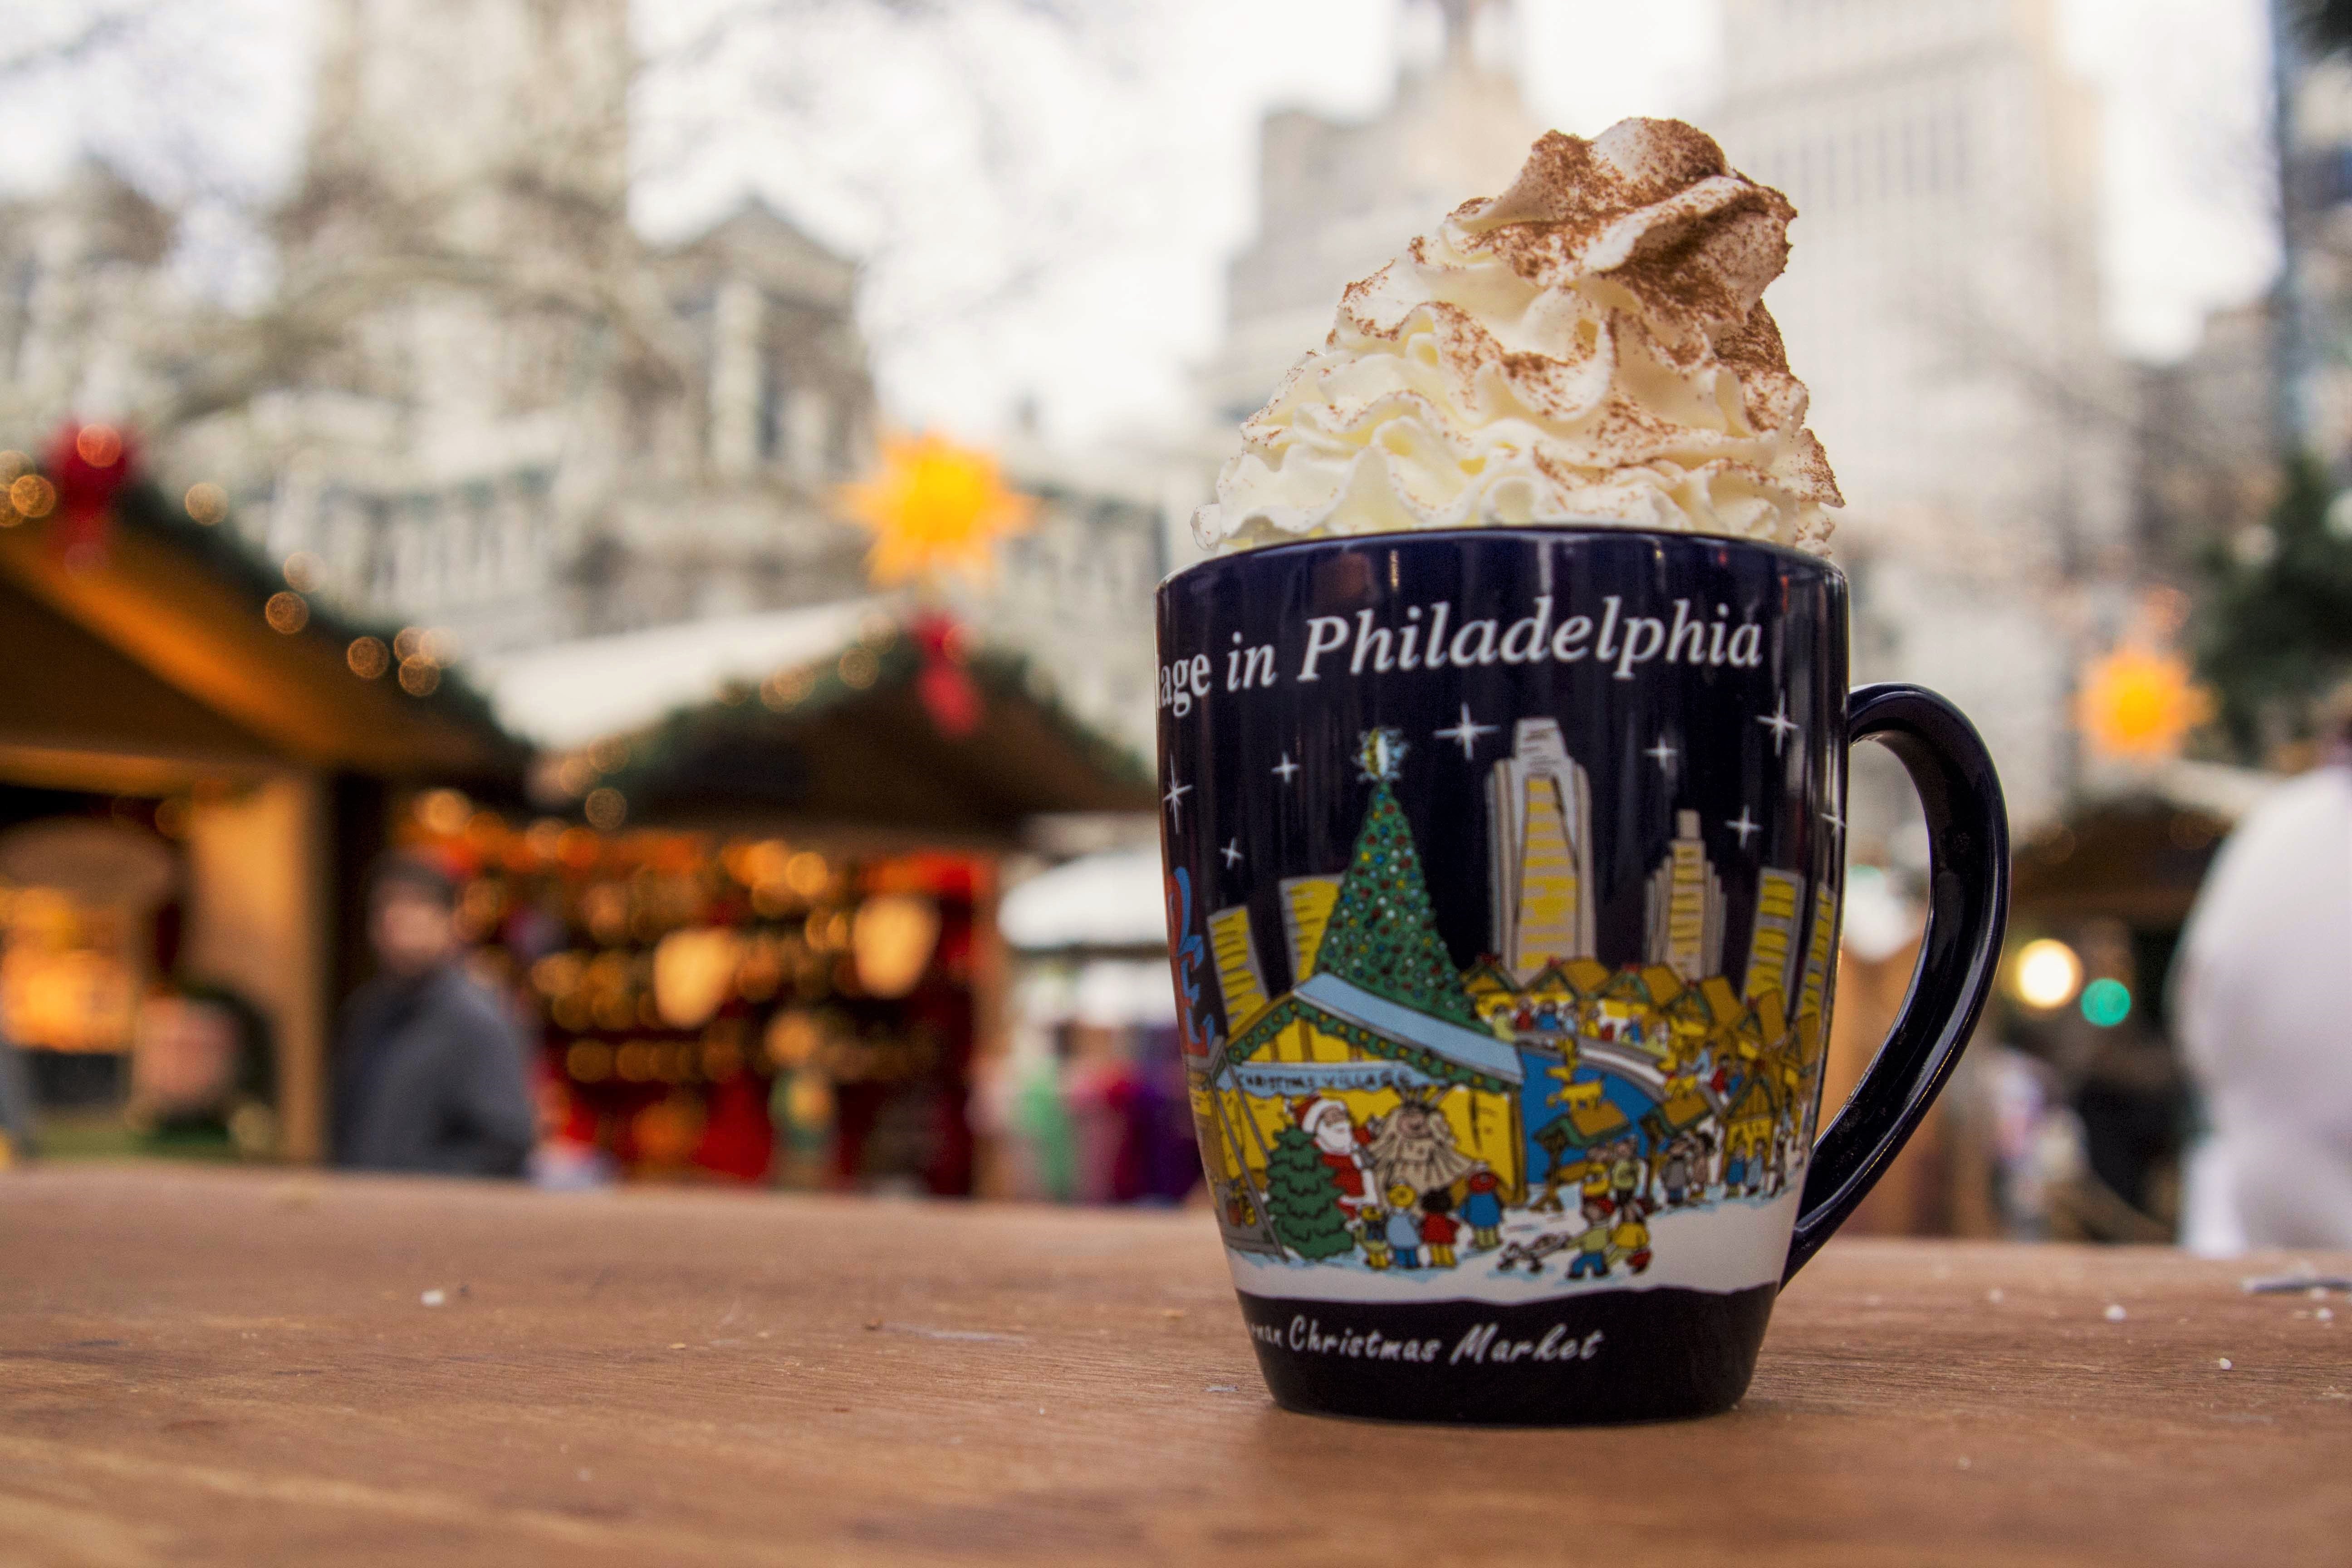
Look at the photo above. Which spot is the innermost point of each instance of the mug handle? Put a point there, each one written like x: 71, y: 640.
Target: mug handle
x: 1968, y: 909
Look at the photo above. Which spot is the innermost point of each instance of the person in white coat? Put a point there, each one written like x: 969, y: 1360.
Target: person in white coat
x: 2263, y: 997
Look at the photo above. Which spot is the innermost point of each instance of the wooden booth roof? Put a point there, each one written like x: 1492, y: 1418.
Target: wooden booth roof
x: 163, y: 651
x: 2138, y: 858
x: 848, y: 742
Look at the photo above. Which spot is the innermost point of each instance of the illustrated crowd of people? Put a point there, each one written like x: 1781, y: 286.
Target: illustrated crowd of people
x: 1405, y: 1189
x: 1413, y: 1199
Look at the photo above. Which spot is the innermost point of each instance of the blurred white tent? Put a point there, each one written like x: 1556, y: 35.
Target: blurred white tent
x: 1110, y: 900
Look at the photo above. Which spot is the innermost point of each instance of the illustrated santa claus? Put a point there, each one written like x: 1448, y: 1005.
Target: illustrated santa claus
x: 1340, y: 1144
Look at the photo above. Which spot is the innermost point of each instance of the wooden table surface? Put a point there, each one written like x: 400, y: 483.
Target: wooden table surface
x: 201, y: 1366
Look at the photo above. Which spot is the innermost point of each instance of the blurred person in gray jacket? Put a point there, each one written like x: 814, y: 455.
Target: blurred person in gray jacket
x: 430, y: 1072
x: 2263, y: 994
x: 16, y: 1106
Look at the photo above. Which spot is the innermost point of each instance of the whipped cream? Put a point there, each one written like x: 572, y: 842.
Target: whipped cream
x: 1591, y: 345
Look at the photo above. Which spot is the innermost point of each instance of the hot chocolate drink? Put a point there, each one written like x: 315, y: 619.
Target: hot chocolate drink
x: 1502, y: 751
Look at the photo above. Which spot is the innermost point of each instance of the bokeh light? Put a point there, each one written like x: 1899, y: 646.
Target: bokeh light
x: 98, y: 445
x: 605, y: 809
x: 287, y: 612
x: 444, y: 811
x: 2141, y: 704
x: 2045, y: 974
x: 2107, y: 1002
x: 32, y: 495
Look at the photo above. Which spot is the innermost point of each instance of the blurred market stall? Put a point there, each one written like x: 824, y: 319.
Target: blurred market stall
x: 195, y: 763
x: 767, y: 947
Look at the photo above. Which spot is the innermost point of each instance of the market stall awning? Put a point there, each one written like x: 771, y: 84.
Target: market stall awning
x: 575, y: 692
x: 2135, y: 847
x: 849, y: 741
x: 164, y: 646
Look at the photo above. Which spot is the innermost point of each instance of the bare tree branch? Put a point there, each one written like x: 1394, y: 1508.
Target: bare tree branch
x: 97, y: 33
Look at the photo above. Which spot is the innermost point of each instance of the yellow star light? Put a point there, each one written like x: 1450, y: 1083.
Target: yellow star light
x: 934, y: 507
x: 2140, y: 704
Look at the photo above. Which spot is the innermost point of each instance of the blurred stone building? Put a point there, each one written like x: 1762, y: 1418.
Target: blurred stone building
x: 83, y: 294
x: 477, y: 401
x: 493, y: 408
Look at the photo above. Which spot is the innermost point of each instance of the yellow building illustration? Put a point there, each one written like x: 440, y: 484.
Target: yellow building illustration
x: 1239, y: 978
x: 1810, y: 1034
x: 1772, y: 941
x: 1305, y: 909
x: 1329, y: 1039
x: 1539, y: 821
x: 1685, y: 906
x: 1751, y: 1120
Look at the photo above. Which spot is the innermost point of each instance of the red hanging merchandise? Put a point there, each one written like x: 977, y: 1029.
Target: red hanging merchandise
x: 945, y: 686
x: 88, y: 464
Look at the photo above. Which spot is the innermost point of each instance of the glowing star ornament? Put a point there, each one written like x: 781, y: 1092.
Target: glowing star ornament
x: 2137, y: 704
x: 934, y: 508
x: 1380, y: 755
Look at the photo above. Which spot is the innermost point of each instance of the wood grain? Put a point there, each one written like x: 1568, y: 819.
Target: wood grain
x: 229, y: 1367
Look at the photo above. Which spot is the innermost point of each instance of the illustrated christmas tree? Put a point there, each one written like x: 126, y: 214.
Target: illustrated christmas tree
x: 1302, y: 1198
x: 1382, y: 934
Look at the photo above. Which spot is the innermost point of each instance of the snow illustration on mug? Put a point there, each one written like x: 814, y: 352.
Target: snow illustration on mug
x: 1540, y: 1114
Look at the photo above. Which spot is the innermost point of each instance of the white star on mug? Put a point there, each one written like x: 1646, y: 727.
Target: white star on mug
x: 1465, y: 734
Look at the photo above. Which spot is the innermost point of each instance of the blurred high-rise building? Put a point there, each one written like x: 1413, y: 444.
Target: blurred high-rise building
x: 2319, y: 148
x: 1942, y: 302
x: 1338, y: 198
x: 2270, y: 374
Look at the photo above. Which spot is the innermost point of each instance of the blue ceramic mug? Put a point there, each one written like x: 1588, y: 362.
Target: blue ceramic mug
x: 1504, y: 870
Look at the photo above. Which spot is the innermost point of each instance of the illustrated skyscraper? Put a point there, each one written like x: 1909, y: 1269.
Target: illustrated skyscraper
x: 1539, y: 823
x: 1772, y: 942
x: 1685, y: 906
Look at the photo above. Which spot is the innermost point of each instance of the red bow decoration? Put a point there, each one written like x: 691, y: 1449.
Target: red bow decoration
x: 945, y: 686
x: 88, y: 464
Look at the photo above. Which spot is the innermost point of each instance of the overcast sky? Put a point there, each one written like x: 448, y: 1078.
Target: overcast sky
x: 1047, y: 216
